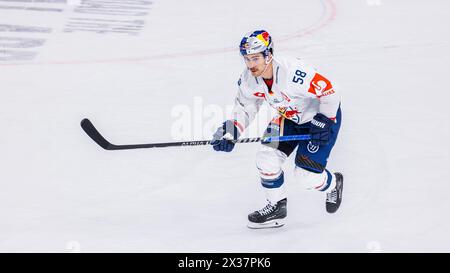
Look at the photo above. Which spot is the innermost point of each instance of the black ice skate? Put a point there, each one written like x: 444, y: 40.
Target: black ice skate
x: 270, y: 216
x: 334, y: 198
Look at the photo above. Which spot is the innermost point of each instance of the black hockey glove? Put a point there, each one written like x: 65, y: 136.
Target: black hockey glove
x: 320, y: 129
x: 222, y: 137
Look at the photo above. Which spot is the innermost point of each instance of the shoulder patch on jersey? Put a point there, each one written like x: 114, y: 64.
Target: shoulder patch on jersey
x: 320, y: 86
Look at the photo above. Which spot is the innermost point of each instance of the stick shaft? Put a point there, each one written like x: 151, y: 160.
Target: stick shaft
x: 93, y: 133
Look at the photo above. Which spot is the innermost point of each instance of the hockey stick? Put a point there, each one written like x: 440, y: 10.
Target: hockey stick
x: 92, y: 132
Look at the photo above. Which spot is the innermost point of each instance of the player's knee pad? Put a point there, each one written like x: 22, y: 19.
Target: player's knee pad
x: 311, y: 180
x: 269, y: 162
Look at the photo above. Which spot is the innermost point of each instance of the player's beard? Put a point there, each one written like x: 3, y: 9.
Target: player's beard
x: 256, y: 72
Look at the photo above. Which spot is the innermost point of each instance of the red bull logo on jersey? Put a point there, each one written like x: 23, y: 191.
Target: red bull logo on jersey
x: 289, y: 113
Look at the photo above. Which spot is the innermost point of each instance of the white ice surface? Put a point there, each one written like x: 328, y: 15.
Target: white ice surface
x: 390, y: 59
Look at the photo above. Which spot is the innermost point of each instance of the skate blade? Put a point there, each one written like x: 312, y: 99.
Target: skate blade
x: 269, y: 224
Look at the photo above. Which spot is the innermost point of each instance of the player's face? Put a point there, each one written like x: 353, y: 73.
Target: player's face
x: 255, y: 63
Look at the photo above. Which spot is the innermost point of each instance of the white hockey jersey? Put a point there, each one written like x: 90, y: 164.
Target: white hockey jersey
x: 298, y: 93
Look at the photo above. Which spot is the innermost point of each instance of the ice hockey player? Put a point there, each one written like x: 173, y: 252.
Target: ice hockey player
x: 306, y: 103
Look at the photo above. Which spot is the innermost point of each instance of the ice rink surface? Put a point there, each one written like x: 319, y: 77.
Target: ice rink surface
x: 140, y: 69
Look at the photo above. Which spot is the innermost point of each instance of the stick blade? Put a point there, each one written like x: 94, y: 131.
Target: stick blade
x: 90, y: 130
